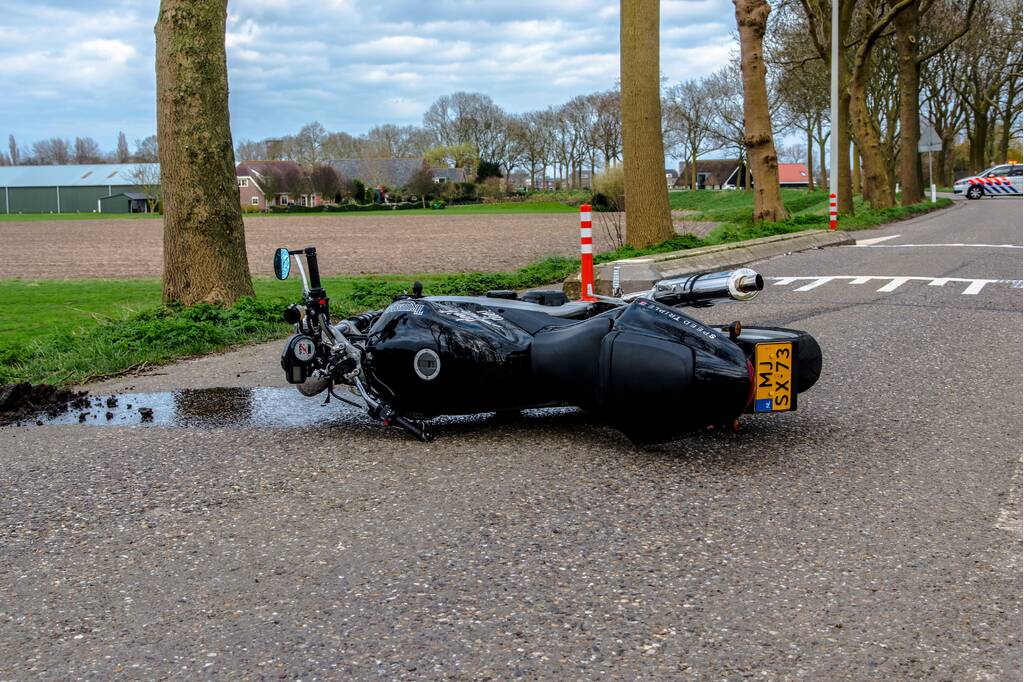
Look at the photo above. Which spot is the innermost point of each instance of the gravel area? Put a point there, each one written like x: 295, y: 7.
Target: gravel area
x: 348, y: 244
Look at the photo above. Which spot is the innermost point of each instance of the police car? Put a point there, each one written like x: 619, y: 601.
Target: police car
x: 1004, y: 180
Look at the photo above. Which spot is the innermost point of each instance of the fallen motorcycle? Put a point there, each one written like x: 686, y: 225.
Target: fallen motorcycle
x: 635, y: 361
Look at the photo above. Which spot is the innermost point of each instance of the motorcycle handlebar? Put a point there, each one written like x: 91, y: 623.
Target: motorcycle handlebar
x: 739, y: 285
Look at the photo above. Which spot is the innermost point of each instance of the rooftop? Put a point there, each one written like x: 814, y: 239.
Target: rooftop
x: 86, y: 175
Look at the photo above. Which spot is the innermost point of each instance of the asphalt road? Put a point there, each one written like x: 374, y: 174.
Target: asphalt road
x: 874, y: 534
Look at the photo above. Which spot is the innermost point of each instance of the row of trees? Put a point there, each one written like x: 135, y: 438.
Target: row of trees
x: 957, y: 64
x: 466, y: 128
x: 59, y: 151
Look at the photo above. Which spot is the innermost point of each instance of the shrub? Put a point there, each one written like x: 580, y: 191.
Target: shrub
x: 610, y: 185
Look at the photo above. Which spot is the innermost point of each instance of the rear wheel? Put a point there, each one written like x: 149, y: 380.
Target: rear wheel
x: 975, y: 192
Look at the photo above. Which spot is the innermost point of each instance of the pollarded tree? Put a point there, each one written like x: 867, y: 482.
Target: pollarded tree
x: 752, y: 20
x: 648, y: 220
x: 204, y: 237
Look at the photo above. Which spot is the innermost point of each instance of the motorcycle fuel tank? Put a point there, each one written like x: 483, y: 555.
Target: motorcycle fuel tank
x: 428, y: 358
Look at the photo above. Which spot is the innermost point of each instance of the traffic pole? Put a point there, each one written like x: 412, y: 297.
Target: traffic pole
x: 832, y: 211
x: 586, y: 255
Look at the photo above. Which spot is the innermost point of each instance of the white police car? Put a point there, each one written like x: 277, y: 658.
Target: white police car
x: 1004, y: 180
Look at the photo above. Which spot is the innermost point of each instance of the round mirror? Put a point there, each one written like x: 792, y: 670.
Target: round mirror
x: 282, y: 263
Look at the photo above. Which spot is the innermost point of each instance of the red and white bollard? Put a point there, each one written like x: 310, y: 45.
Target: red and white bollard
x: 833, y: 213
x: 586, y: 255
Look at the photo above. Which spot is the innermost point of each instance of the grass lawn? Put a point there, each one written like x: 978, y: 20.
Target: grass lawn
x: 32, y: 217
x: 31, y: 309
x: 503, y: 208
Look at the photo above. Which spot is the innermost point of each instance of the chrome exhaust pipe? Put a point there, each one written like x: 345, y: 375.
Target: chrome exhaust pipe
x: 703, y: 289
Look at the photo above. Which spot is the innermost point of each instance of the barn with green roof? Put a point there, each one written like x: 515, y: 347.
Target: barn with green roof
x: 75, y: 188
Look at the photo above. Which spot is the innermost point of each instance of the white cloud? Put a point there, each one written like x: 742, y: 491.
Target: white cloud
x: 347, y: 64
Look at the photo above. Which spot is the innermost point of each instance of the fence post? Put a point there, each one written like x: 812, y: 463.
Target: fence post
x: 832, y: 212
x: 586, y: 255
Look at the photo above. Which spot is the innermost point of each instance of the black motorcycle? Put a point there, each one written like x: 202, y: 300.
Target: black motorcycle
x: 635, y: 361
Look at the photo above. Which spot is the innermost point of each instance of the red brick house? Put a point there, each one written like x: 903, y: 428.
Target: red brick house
x: 264, y: 184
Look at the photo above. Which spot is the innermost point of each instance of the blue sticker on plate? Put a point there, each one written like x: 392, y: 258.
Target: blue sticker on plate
x: 764, y: 405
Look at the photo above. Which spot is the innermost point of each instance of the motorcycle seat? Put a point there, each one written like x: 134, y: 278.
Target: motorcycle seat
x: 566, y: 358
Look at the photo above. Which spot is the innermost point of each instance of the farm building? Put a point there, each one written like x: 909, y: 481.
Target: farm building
x: 713, y: 174
x: 793, y: 175
x: 71, y: 189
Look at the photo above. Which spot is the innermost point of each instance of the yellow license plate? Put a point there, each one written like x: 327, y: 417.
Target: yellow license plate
x: 773, y: 377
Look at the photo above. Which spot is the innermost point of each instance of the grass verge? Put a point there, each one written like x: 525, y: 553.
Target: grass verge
x: 68, y: 332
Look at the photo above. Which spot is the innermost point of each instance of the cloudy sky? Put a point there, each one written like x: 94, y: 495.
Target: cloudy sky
x: 86, y: 68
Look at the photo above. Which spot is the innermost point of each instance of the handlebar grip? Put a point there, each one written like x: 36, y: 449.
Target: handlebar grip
x: 314, y: 268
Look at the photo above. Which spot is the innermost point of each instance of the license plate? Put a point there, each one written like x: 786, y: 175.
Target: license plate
x: 773, y: 377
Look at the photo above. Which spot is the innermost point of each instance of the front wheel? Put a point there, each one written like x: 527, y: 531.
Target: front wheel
x: 974, y: 192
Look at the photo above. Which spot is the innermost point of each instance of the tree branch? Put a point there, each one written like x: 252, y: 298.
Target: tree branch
x: 959, y: 34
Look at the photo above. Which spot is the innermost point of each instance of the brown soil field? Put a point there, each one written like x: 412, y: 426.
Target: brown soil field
x: 70, y: 249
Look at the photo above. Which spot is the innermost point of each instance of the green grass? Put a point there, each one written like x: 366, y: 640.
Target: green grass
x: 71, y: 331
x: 32, y: 217
x: 502, y: 208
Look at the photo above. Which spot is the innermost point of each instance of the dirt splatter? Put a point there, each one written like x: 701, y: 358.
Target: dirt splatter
x: 23, y: 401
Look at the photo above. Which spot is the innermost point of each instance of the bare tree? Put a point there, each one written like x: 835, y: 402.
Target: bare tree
x: 146, y: 176
x: 204, y: 237
x: 309, y: 144
x: 146, y: 150
x: 122, y: 153
x: 325, y: 181
x: 466, y: 118
x: 689, y: 123
x: 13, y: 151
x: 86, y: 151
x: 54, y: 151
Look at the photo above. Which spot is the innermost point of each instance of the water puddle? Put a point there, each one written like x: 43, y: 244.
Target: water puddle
x: 231, y: 407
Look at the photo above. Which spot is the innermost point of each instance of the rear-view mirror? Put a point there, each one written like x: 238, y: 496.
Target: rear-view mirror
x: 282, y: 263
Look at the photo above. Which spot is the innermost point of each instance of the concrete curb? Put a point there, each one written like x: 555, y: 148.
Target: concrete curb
x: 637, y: 274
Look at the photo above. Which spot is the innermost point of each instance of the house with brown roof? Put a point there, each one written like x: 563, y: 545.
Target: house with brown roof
x: 274, y: 183
x: 713, y: 174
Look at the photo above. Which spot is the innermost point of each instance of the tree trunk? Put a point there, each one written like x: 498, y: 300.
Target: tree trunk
x: 762, y: 161
x: 878, y: 187
x: 855, y: 184
x: 822, y: 140
x: 648, y: 220
x: 204, y: 237
x: 979, y: 140
x: 844, y: 202
x: 907, y: 34
x: 810, y: 160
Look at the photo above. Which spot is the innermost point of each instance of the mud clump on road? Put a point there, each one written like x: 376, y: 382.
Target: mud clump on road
x: 23, y: 401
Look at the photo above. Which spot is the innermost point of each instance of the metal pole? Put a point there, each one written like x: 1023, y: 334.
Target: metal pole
x: 931, y: 181
x: 833, y: 177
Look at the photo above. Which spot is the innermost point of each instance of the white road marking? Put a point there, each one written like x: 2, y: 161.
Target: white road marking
x: 895, y: 284
x: 973, y: 288
x: 958, y: 245
x: 976, y: 286
x: 816, y: 283
x: 869, y: 242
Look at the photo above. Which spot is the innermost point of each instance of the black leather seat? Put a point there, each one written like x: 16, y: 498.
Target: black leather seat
x: 565, y: 359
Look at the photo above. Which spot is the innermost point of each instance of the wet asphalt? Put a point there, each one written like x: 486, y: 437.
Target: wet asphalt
x: 873, y: 534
